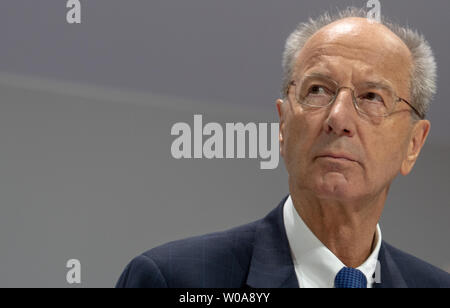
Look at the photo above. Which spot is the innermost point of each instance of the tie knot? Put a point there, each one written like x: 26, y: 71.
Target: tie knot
x: 350, y: 278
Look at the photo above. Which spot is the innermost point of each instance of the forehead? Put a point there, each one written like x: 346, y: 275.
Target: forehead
x: 357, y: 49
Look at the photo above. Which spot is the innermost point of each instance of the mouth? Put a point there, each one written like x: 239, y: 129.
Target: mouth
x: 337, y: 157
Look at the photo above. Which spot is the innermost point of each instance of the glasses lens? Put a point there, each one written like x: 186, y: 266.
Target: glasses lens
x: 315, y: 92
x: 375, y: 101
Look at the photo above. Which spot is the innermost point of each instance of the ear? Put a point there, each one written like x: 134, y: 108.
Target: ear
x: 417, y: 139
x: 281, y: 115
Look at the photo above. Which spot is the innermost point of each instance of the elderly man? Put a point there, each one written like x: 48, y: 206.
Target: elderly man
x: 352, y: 117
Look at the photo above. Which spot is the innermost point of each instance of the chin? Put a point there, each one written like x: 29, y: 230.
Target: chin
x: 335, y: 189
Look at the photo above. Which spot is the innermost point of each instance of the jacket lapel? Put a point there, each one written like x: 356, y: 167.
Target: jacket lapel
x: 271, y: 263
x: 390, y: 276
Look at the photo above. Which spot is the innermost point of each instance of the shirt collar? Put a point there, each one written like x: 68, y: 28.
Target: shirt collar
x: 315, y: 264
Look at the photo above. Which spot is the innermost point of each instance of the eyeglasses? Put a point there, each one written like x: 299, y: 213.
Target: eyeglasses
x: 370, y: 98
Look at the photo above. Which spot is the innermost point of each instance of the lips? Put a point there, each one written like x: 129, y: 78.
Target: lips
x: 343, y: 156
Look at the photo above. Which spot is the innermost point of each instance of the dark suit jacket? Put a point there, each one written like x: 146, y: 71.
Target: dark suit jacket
x: 255, y: 255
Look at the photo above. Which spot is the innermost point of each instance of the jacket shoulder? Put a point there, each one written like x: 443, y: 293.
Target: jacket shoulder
x: 418, y: 273
x: 219, y: 259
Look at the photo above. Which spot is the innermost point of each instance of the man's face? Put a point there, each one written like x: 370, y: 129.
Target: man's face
x: 350, y: 51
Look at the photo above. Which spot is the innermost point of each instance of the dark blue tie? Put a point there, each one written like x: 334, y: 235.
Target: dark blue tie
x: 350, y: 278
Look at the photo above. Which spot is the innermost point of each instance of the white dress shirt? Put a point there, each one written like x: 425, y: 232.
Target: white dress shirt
x: 315, y: 265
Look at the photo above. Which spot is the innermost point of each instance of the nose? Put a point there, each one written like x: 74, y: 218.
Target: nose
x: 342, y: 114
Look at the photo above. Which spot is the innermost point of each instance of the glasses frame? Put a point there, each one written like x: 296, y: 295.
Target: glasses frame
x: 338, y: 90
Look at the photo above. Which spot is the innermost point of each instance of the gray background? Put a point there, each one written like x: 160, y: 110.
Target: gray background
x: 85, y: 118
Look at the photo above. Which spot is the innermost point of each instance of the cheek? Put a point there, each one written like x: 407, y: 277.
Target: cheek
x: 299, y: 138
x: 385, y: 154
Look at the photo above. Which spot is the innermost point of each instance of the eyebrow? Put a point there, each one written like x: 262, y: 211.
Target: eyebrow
x: 382, y: 83
x: 320, y: 75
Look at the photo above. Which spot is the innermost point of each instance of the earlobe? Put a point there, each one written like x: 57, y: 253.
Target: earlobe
x: 406, y: 167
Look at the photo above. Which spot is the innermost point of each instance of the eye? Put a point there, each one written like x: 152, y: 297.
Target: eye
x: 372, y: 97
x: 317, y: 90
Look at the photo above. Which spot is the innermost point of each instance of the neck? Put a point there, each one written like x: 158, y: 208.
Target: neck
x: 346, y: 228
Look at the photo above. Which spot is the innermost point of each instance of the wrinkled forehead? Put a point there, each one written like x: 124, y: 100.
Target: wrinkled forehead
x: 358, y: 48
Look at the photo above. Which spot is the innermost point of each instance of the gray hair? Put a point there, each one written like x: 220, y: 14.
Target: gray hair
x: 423, y: 71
